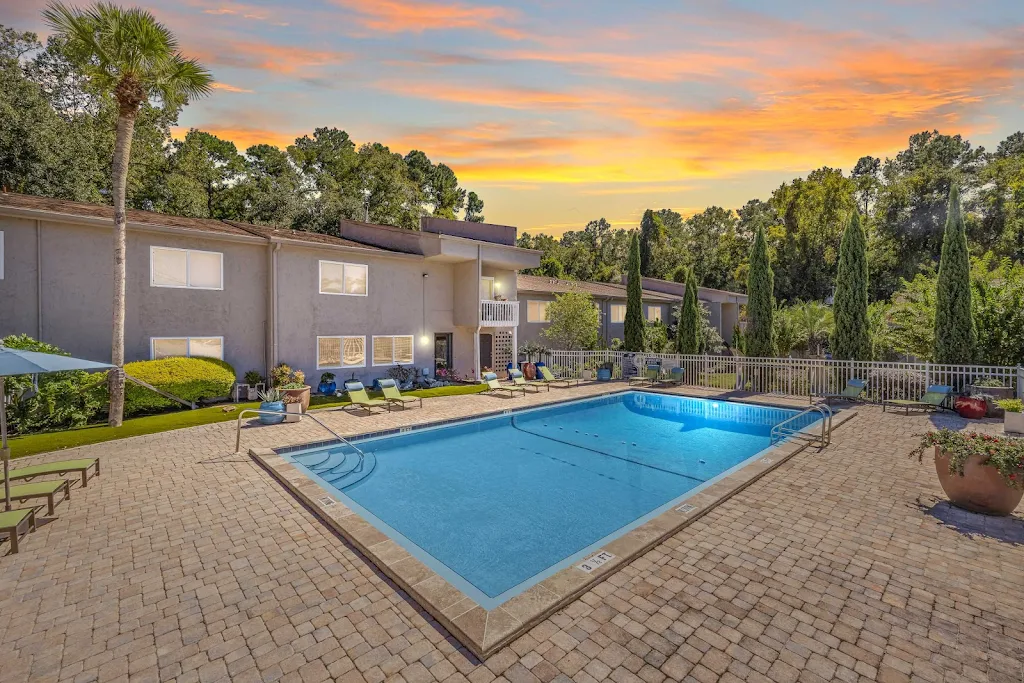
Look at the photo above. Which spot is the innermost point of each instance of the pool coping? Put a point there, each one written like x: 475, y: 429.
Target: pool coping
x: 484, y: 631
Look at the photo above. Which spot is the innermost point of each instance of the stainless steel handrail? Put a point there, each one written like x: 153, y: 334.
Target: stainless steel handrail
x: 339, y: 437
x: 781, y: 431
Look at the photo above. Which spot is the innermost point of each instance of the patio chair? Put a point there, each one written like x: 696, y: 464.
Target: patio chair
x: 12, y: 521
x: 493, y: 385
x: 650, y: 376
x: 360, y: 399
x: 852, y: 392
x: 519, y: 380
x: 934, y: 398
x: 42, y: 489
x: 549, y: 378
x: 61, y: 467
x: 674, y: 378
x: 393, y: 395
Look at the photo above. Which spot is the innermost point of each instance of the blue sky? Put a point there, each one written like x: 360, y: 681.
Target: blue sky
x: 560, y: 112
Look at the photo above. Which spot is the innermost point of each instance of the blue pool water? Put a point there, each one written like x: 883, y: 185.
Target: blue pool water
x: 496, y: 504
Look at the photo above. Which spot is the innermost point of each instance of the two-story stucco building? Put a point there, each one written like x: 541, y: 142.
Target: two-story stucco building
x: 354, y: 305
x: 660, y: 300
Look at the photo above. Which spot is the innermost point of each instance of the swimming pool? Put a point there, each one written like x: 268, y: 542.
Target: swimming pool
x: 495, y: 505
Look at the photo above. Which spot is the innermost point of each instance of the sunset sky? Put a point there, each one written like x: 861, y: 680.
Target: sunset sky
x: 560, y: 112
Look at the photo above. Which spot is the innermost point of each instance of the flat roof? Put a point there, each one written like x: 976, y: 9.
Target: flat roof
x: 551, y: 285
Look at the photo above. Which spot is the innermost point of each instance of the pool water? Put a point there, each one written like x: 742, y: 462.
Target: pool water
x: 495, y: 505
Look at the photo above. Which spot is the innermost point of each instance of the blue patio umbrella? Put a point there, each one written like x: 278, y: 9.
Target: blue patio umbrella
x: 19, y: 362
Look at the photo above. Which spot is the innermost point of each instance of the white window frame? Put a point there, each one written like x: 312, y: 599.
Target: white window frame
x: 1, y: 254
x: 611, y: 313
x: 392, y: 363
x: 654, y: 308
x: 344, y: 265
x: 187, y: 341
x: 547, y: 312
x: 342, y: 337
x: 188, y: 266
x: 491, y: 280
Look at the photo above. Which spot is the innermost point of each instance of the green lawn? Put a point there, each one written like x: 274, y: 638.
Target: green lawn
x: 31, y: 444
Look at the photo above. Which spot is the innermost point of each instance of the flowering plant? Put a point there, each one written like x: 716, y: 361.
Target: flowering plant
x: 1004, y: 454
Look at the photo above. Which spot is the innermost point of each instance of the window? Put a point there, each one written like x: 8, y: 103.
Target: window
x: 186, y: 268
x: 206, y: 347
x: 340, y: 352
x: 537, y: 311
x: 343, y: 278
x: 487, y: 288
x: 618, y: 313
x: 392, y: 350
x: 654, y: 314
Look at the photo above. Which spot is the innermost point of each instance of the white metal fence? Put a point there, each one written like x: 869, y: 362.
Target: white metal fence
x: 792, y: 376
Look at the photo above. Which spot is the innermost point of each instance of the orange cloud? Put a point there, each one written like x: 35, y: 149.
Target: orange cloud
x: 228, y: 88
x: 279, y: 59
x: 243, y: 137
x: 410, y: 16
x: 506, y: 97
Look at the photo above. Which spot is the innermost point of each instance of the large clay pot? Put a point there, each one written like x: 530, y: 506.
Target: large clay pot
x: 530, y: 371
x: 301, y: 394
x: 970, y: 407
x: 981, y: 489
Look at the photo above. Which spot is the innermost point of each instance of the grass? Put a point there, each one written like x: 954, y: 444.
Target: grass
x: 31, y: 444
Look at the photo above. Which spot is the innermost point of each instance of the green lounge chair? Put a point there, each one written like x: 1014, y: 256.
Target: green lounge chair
x: 518, y: 380
x: 934, y: 397
x: 650, y: 376
x: 393, y: 395
x: 491, y: 380
x: 12, y: 521
x: 61, y: 467
x: 852, y: 392
x: 360, y: 399
x: 548, y: 377
x: 42, y: 489
x: 674, y: 378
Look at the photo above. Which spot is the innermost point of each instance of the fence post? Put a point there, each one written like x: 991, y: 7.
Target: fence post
x: 927, y: 374
x: 1020, y: 382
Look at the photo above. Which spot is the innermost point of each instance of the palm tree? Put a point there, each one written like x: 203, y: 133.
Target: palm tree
x: 814, y: 323
x: 130, y: 56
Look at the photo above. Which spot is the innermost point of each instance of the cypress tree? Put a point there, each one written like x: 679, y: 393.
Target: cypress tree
x: 633, y: 334
x: 761, y: 301
x: 851, y: 341
x: 954, y: 327
x: 688, y: 329
x: 650, y: 232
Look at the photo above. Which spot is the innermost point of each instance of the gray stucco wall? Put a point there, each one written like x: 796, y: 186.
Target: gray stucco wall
x: 608, y: 330
x: 76, y: 264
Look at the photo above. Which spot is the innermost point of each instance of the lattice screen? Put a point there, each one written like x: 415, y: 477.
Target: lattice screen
x: 501, y: 351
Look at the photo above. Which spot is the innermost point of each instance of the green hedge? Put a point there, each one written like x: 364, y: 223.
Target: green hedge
x: 189, y: 378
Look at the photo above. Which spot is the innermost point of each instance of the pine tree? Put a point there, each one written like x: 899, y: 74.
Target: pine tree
x: 954, y: 327
x: 760, y: 301
x: 851, y: 341
x: 688, y: 329
x: 650, y: 233
x: 633, y: 334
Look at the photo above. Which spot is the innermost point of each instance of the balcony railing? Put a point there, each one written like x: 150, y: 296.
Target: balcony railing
x: 499, y: 313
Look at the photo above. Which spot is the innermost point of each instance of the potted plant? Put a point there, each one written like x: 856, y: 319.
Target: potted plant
x: 978, y: 472
x: 327, y: 384
x: 272, y: 400
x: 254, y: 384
x: 292, y: 408
x: 1013, y: 417
x: 991, y: 386
x: 604, y: 371
x: 291, y: 383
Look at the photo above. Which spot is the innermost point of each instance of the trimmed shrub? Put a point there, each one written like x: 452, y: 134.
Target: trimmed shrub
x: 192, y: 379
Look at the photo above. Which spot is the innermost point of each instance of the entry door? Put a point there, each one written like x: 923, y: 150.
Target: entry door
x: 486, y: 344
x: 442, y: 351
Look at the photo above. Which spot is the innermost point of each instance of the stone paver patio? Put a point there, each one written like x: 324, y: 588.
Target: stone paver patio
x: 184, y: 561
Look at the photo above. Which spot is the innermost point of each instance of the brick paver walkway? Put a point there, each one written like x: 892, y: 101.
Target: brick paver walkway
x: 185, y: 562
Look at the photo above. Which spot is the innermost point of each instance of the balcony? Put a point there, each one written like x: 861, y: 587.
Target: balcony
x: 499, y: 313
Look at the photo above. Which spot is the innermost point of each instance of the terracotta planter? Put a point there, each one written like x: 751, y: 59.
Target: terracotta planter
x: 981, y: 489
x: 301, y: 394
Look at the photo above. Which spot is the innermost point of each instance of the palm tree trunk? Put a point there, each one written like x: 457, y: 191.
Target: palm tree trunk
x: 122, y: 153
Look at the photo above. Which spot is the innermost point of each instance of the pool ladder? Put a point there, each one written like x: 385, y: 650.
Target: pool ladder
x: 339, y: 437
x: 786, y: 428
